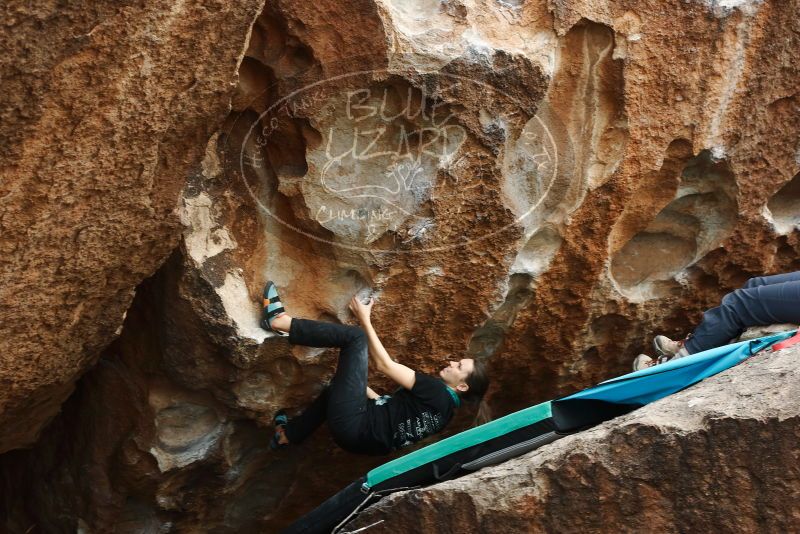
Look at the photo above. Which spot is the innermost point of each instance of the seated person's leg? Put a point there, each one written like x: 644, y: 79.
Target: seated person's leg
x: 718, y: 327
x: 756, y: 306
x: 763, y: 300
x: 774, y: 279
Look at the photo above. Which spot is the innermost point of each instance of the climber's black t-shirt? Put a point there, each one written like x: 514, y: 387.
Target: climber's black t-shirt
x: 409, y: 415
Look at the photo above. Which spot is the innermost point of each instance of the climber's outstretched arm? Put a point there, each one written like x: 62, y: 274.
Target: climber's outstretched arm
x: 401, y: 374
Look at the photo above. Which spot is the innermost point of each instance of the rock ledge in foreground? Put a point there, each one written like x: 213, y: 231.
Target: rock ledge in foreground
x: 721, y: 456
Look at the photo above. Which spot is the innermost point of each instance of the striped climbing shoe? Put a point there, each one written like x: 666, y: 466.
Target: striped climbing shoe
x: 273, y: 309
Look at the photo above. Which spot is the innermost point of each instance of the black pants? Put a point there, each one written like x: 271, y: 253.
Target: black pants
x: 343, y: 403
x: 763, y: 300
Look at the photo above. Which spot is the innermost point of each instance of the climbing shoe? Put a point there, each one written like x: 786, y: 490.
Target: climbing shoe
x: 273, y: 308
x: 280, y: 420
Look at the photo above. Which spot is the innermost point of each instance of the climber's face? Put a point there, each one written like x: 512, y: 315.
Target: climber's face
x: 456, y: 372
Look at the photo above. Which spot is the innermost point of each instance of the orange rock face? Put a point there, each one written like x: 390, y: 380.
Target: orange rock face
x: 539, y: 185
x: 105, y: 110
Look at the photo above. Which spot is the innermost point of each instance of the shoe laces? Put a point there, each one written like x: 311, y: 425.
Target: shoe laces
x: 664, y: 358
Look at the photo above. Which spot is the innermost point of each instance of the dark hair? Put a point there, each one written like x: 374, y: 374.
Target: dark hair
x: 478, y: 382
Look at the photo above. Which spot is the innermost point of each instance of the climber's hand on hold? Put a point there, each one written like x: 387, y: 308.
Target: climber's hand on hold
x: 360, y: 310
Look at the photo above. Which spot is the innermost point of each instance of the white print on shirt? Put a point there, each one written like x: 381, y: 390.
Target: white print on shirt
x: 383, y: 399
x: 424, y: 426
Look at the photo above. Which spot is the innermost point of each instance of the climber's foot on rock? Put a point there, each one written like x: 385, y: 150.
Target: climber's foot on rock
x: 283, y: 439
x: 279, y: 439
x: 273, y: 316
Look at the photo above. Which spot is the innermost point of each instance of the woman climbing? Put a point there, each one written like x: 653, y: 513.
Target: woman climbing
x: 359, y: 419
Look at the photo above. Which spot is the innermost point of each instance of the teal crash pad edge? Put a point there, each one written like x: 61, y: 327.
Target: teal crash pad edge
x: 460, y: 441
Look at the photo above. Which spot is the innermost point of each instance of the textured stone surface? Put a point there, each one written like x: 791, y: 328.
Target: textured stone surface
x: 540, y: 184
x: 721, y: 456
x: 104, y: 110
x: 657, y: 205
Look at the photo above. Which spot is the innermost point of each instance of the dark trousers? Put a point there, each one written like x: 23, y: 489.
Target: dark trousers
x: 343, y: 403
x: 763, y: 300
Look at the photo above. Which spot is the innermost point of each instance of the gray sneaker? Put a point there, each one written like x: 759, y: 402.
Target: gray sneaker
x: 643, y: 361
x: 665, y: 346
